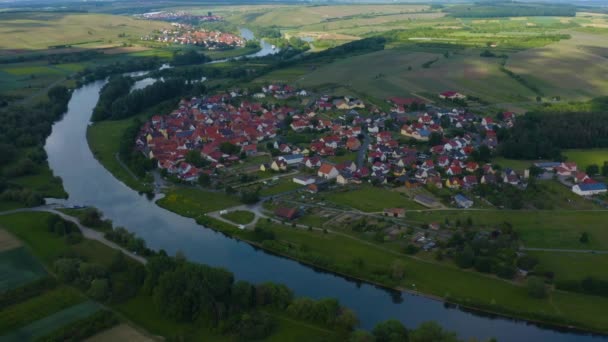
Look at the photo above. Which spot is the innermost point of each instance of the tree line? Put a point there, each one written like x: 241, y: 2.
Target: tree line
x: 543, y: 135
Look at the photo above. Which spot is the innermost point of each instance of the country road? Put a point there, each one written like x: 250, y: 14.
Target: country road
x: 88, y: 233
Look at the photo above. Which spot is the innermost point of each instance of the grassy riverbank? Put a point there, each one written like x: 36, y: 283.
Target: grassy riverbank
x: 371, y: 262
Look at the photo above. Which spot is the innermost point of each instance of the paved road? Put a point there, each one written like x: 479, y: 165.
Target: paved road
x: 88, y: 233
x: 362, y: 150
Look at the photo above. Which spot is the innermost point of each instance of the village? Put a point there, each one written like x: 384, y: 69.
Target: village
x: 185, y: 34
x: 406, y: 147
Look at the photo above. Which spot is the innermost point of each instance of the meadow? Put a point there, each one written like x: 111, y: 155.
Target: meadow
x: 371, y: 199
x: 401, y: 72
x: 571, y: 68
x: 572, y: 266
x: 538, y: 228
x: 195, y: 202
x: 239, y: 216
x: 584, y: 158
x: 31, y: 31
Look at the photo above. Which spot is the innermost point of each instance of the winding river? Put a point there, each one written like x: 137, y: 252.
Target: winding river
x: 89, y: 183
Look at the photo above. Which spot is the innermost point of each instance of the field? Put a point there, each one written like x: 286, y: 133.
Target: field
x: 17, y: 267
x: 584, y: 158
x: 372, y: 199
x: 50, y: 323
x: 386, y: 73
x: 570, y: 68
x: 540, y: 228
x: 37, y: 308
x: 297, y: 16
x: 196, y: 202
x: 239, y: 216
x: 122, y: 332
x: 31, y: 31
x: 573, y: 266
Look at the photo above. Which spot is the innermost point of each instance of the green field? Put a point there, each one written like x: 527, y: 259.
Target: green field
x: 239, y: 216
x: 104, y: 141
x: 51, y: 323
x: 282, y: 185
x: 539, y: 228
x: 22, y: 314
x: 194, y: 202
x: 573, y: 266
x: 372, y: 199
x: 18, y: 267
x: 584, y: 158
x: 386, y: 73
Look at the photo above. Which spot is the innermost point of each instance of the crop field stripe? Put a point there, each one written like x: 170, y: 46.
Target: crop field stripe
x: 18, y: 267
x: 53, y: 322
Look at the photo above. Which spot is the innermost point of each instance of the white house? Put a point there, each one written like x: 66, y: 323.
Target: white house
x: 328, y: 171
x: 304, y: 180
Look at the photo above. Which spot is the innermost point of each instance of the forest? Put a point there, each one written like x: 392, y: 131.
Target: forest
x: 542, y: 135
x: 115, y: 105
x: 23, y: 130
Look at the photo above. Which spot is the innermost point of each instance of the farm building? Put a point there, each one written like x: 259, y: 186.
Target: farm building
x: 286, y: 213
x: 589, y: 189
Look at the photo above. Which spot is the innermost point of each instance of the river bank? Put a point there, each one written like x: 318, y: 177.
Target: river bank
x: 506, y: 299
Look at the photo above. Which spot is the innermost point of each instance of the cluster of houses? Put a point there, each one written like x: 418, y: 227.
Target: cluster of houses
x: 583, y: 184
x: 186, y: 35
x: 280, y: 91
x: 205, y: 125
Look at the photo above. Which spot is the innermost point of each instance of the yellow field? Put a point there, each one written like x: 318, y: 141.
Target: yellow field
x: 8, y: 241
x: 122, y: 332
x: 293, y: 16
x: 23, y: 32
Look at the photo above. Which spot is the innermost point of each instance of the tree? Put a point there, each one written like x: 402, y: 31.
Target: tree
x: 584, y: 237
x: 593, y: 169
x: 536, y: 287
x: 605, y: 169
x: 204, y: 179
x: 465, y: 258
x: 431, y: 332
x: 435, y: 139
x: 229, y: 148
x: 99, y: 290
x: 390, y: 331
x: 361, y: 336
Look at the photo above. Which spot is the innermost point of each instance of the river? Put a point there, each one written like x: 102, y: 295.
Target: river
x: 89, y: 183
